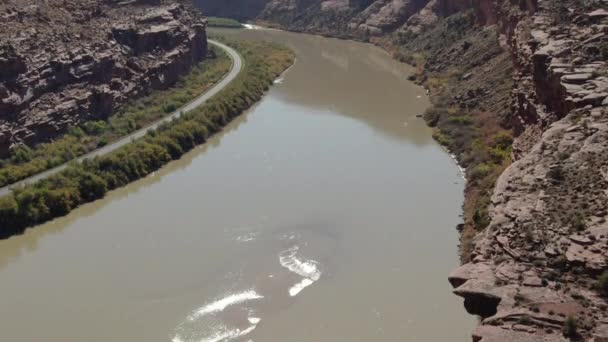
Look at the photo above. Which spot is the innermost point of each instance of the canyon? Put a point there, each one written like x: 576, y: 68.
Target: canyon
x: 63, y: 63
x: 520, y: 95
x: 534, y: 250
x: 286, y: 225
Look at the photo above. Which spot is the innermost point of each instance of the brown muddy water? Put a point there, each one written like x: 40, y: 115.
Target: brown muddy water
x: 326, y: 213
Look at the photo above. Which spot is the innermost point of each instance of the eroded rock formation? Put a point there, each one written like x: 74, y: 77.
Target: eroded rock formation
x: 547, y: 241
x: 63, y: 62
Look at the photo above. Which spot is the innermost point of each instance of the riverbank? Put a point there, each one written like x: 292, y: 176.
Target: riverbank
x: 126, y: 126
x: 469, y: 78
x: 469, y: 111
x: 223, y: 22
x: 329, y: 186
x: 525, y: 115
x: 25, y: 161
x: 82, y: 183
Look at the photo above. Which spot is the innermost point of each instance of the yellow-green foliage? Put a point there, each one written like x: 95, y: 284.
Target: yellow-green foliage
x: 25, y: 162
x: 223, y: 22
x: 483, y: 148
x: 81, y: 183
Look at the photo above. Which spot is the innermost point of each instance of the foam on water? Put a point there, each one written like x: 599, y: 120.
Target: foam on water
x: 221, y: 335
x: 294, y: 290
x: 223, y: 303
x: 246, y: 237
x: 229, y: 335
x: 308, y: 269
x: 463, y: 171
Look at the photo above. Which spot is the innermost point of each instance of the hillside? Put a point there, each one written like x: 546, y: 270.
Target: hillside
x: 65, y: 62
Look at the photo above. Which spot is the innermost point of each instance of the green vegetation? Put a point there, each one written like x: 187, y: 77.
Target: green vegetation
x: 602, y: 284
x: 90, y: 180
x: 578, y: 222
x: 223, y: 22
x: 469, y: 77
x: 570, y: 327
x: 25, y: 162
x: 482, y: 147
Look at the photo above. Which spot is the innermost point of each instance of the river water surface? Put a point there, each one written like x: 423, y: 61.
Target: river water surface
x: 324, y: 214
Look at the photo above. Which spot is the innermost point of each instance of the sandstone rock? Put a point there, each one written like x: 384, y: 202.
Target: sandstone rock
x: 576, y: 78
x: 82, y: 69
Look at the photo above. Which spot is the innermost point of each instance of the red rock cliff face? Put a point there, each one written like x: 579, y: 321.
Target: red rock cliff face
x: 538, y: 260
x: 62, y: 62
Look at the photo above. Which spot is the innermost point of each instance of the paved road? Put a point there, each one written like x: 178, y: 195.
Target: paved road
x: 237, y: 64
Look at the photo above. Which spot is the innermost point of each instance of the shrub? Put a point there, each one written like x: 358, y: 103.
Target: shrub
x: 570, y: 327
x: 559, y: 263
x: 479, y: 171
x: 21, y: 154
x: 8, y: 213
x: 90, y: 186
x: 481, y: 218
x: 462, y: 120
x: 61, y: 201
x: 525, y: 320
x: 90, y: 180
x: 223, y: 22
x: 502, y: 140
x: 32, y: 207
x: 556, y: 173
x: 578, y: 222
x: 602, y: 284
x: 170, y: 107
x: 442, y: 139
x: 94, y: 127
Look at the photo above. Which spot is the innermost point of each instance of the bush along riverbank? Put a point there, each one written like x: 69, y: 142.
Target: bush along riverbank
x: 223, y: 22
x: 534, y: 241
x: 469, y: 78
x: 81, y: 183
x: 24, y: 161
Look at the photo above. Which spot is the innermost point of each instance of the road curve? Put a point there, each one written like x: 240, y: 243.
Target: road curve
x: 235, y: 70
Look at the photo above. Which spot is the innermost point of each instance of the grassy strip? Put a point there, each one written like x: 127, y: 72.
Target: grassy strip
x: 81, y: 183
x: 25, y: 161
x: 223, y: 22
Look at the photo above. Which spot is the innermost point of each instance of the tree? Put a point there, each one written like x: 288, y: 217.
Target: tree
x: 570, y: 327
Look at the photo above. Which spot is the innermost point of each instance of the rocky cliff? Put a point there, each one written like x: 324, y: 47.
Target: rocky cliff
x: 538, y: 260
x: 63, y: 62
x: 537, y: 69
x: 347, y: 18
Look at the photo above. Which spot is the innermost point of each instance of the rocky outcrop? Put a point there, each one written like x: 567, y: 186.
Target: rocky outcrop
x: 347, y: 18
x: 360, y: 19
x: 65, y: 62
x: 547, y: 241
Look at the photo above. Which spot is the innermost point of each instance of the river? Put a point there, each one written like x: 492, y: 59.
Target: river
x: 326, y: 213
